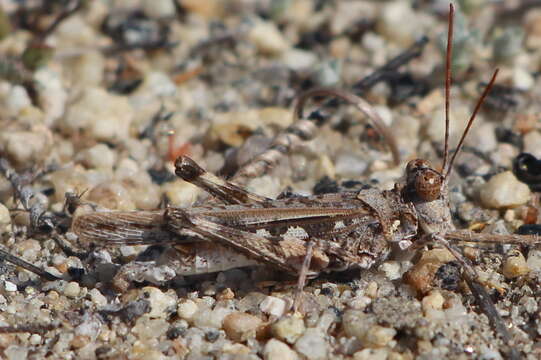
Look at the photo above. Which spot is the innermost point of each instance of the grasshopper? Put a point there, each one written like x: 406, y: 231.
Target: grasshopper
x: 300, y: 235
x: 305, y: 235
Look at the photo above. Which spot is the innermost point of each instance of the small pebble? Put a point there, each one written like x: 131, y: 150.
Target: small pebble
x: 72, y: 289
x: 241, y: 326
x: 5, y: 219
x: 312, y: 345
x: 9, y: 286
x: 236, y: 349
x: 534, y: 260
x: 483, y: 138
x: 17, y: 99
x: 391, y: 269
x: 532, y: 143
x: 515, y: 265
x: 277, y: 350
x: 15, y: 352
x: 212, y: 319
x: 371, y: 354
x: 504, y: 190
x: 378, y: 336
x: 180, y: 192
x: 98, y: 156
x: 52, y: 94
x: 371, y: 290
x: 187, y: 309
x: 111, y: 195
x: 25, y: 147
x: 273, y: 306
x: 35, y: 339
x: 207, y: 9
x: 30, y: 249
x: 391, y: 23
x: 226, y: 294
x: 160, y: 303
x: 422, y: 274
x: 356, y: 323
x: 434, y: 300
x: 102, y: 115
x: 359, y: 302
x: 288, y: 329
x: 432, y: 305
x: 158, y: 8
x: 147, y: 329
x: 97, y: 298
x: 79, y: 341
x: 268, y: 39
x: 522, y: 79
x: 299, y: 60
x: 348, y: 165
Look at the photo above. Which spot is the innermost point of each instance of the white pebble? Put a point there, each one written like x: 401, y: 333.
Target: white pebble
x: 349, y: 165
x: 273, y: 306
x: 158, y: 8
x: 9, y: 286
x: 515, y: 265
x: 87, y: 69
x: 26, y: 147
x: 483, y: 138
x: 155, y: 85
x: 29, y: 249
x: 534, y: 260
x: 160, y: 302
x: 97, y: 297
x: 504, y: 190
x: 180, y: 192
x: 212, y: 319
x: 268, y: 186
x: 288, y: 329
x: 267, y: 38
x: 391, y: 269
x: 434, y: 300
x: 371, y: 354
x: 379, y: 336
x: 5, y: 219
x: 111, y: 195
x: 17, y: 99
x: 532, y: 143
x: 522, y: 79
x: 51, y: 94
x: 98, y: 156
x: 187, y: 309
x: 149, y: 329
x: 35, y: 339
x: 104, y: 116
x: 356, y: 323
x: 240, y: 326
x: 312, y: 345
x: 72, y: 289
x: 15, y: 352
x: 393, y: 24
x: 299, y: 60
x: 277, y: 350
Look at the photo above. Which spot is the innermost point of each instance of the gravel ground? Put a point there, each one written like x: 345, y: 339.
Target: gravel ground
x: 90, y: 94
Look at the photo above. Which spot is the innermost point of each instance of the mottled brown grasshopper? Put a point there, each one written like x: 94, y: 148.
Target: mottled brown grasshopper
x: 301, y: 235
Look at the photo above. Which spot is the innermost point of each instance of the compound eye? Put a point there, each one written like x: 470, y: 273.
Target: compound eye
x: 427, y: 184
x: 415, y: 165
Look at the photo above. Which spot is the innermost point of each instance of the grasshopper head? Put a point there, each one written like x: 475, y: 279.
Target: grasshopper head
x: 422, y: 181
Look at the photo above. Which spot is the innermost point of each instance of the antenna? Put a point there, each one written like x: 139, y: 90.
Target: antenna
x: 448, y: 80
x: 447, y: 171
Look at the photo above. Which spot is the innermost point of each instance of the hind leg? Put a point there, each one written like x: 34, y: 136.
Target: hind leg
x: 227, y: 192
